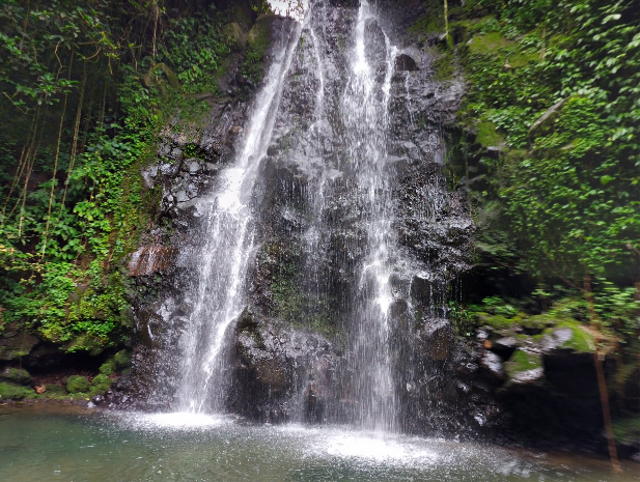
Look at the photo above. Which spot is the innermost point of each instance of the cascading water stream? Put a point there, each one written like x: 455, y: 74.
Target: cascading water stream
x: 316, y: 153
x: 366, y: 117
x: 227, y: 249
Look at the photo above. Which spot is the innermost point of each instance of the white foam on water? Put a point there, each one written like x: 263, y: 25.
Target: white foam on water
x: 172, y: 421
x: 378, y: 450
x: 362, y: 447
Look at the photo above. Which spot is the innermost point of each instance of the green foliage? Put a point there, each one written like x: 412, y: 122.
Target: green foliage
x: 77, y: 384
x: 627, y: 431
x: 257, y: 44
x: 195, y: 46
x: 619, y: 309
x: 122, y: 359
x: 10, y: 391
x: 34, y: 33
x: 72, y: 196
x: 99, y: 385
x: 108, y: 367
x: 555, y: 87
x: 464, y: 319
x: 497, y: 306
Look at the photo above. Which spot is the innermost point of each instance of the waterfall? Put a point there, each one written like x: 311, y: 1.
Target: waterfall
x: 223, y: 259
x: 319, y: 237
x: 359, y: 104
x: 365, y: 115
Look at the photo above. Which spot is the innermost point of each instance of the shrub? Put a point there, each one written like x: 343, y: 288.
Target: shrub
x: 77, y: 384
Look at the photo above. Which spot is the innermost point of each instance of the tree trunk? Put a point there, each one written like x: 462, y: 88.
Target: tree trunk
x: 602, y: 381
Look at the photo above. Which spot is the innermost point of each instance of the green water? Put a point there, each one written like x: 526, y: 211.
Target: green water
x: 52, y: 444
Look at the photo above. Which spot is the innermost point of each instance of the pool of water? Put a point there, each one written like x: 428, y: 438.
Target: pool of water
x: 69, y: 444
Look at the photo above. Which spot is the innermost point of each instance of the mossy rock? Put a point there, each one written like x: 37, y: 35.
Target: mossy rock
x: 237, y: 33
x: 77, y: 384
x: 444, y: 67
x: 11, y: 391
x: 15, y: 375
x: 122, y: 359
x: 487, y: 44
x: 521, y: 59
x: 488, y: 135
x: 260, y: 34
x: 581, y: 341
x: 499, y: 322
x: 109, y: 367
x: 258, y: 42
x: 524, y: 368
x: 539, y: 322
x: 99, y: 385
x: 14, y: 345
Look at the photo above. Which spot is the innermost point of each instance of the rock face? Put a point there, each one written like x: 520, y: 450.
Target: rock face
x: 187, y: 168
x: 281, y: 373
x: 289, y: 356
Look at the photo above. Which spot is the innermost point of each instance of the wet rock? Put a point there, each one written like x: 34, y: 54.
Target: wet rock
x: 505, y: 346
x: 169, y: 169
x: 436, y: 339
x: 276, y: 366
x: 493, y: 363
x: 405, y: 62
x: 149, y: 175
x: 15, y: 344
x: 151, y: 259
x: 524, y: 367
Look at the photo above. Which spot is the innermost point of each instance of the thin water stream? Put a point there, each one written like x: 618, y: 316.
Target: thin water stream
x: 56, y: 444
x: 225, y: 252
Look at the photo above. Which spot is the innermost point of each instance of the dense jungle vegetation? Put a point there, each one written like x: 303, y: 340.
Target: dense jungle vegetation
x: 547, y: 149
x: 85, y: 87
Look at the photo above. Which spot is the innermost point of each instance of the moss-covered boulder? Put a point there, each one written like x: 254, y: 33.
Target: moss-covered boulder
x: 487, y: 43
x: 122, y: 359
x: 568, y: 335
x: 77, y: 384
x: 108, y: 367
x: 524, y: 368
x: 235, y: 32
x: 19, y: 376
x: 258, y: 42
x: 12, y: 391
x: 99, y: 385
